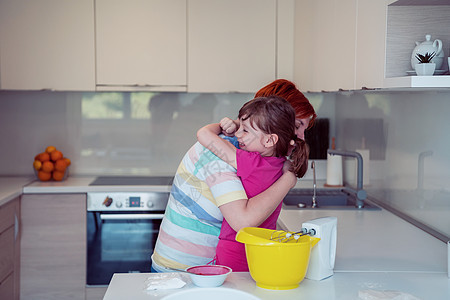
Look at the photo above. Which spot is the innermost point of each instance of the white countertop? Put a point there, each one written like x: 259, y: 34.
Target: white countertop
x: 375, y: 249
x: 14, y: 186
x: 77, y: 184
x: 342, y: 285
x: 11, y: 187
x: 376, y: 240
x: 80, y: 184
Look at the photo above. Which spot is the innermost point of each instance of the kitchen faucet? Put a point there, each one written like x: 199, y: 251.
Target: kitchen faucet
x: 314, y: 202
x: 360, y: 193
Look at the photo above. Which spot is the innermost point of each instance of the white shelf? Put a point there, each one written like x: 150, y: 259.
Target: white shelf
x: 442, y: 81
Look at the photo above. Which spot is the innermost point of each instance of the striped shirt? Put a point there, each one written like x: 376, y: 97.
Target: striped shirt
x: 191, y: 225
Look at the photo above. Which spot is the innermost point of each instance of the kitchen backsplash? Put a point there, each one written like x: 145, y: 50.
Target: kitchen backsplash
x: 111, y: 133
x: 108, y: 133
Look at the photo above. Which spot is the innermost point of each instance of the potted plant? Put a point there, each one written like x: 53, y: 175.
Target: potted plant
x: 425, y: 67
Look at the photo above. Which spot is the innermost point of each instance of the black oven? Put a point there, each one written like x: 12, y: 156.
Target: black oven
x: 121, y: 232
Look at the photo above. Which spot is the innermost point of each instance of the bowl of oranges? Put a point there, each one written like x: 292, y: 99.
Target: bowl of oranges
x: 51, y: 165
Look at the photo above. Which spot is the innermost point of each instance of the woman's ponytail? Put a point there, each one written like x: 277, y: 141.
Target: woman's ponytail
x: 299, y: 157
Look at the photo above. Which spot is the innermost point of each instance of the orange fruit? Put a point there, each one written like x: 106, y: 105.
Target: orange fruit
x: 55, y: 155
x: 58, y: 175
x: 37, y: 164
x: 44, y: 176
x: 47, y: 166
x: 68, y: 162
x: 44, y: 156
x: 61, y: 165
x: 50, y: 149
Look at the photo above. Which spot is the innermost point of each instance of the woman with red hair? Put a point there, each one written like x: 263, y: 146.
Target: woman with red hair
x: 305, y: 114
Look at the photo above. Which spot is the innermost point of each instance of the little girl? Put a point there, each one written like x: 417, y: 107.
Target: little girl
x: 265, y: 134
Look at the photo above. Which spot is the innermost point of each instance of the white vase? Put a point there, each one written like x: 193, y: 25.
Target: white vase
x: 425, y: 69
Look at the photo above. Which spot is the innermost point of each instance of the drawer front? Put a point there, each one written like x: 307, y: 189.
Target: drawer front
x: 7, y: 288
x: 7, y: 215
x: 6, y: 253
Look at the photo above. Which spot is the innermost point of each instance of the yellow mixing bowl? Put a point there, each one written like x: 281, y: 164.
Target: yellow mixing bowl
x: 276, y: 265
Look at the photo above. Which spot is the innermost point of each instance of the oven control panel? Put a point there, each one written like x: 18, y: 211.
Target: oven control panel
x: 121, y: 201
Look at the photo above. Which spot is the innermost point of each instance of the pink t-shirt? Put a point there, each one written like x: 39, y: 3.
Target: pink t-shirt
x: 257, y: 173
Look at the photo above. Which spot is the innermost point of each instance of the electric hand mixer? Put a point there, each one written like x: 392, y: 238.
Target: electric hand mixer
x: 321, y: 261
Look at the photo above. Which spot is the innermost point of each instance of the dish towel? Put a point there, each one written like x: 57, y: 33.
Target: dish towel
x: 164, y: 281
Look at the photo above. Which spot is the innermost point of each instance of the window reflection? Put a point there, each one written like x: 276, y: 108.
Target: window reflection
x: 115, y: 105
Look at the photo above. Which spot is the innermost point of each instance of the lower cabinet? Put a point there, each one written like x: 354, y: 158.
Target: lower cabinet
x: 9, y: 250
x: 53, y: 247
x: 95, y: 293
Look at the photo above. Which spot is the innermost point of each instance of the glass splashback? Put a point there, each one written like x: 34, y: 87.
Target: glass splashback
x: 407, y: 133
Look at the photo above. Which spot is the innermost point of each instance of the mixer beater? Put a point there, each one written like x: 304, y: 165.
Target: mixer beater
x: 287, y: 236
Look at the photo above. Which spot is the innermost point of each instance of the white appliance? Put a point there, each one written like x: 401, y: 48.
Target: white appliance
x: 321, y: 262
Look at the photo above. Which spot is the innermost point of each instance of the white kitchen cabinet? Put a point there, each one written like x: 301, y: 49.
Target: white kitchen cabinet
x: 141, y: 44
x: 339, y: 44
x: 370, y: 44
x: 47, y: 44
x: 324, y: 43
x: 9, y: 250
x: 232, y: 45
x: 53, y: 246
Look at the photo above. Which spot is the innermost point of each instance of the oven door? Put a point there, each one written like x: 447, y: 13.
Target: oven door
x: 119, y: 242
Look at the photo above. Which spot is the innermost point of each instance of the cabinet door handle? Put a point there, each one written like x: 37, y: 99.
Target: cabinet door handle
x: 131, y: 216
x: 16, y: 227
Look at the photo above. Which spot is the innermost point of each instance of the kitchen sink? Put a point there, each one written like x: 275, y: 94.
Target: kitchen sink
x: 325, y: 198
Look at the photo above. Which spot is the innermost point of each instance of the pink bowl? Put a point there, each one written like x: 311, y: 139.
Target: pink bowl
x: 209, y: 270
x: 208, y: 276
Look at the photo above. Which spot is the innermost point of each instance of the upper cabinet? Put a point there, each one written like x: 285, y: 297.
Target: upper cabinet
x: 47, y: 44
x: 339, y: 44
x: 232, y: 45
x: 325, y: 34
x: 194, y: 46
x: 141, y: 44
x: 154, y: 45
x: 356, y: 44
x: 216, y: 45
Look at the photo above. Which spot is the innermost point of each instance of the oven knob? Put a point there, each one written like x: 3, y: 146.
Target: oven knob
x: 118, y: 204
x: 150, y: 204
x: 108, y: 201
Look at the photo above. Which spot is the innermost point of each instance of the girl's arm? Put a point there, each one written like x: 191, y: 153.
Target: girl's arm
x: 208, y: 136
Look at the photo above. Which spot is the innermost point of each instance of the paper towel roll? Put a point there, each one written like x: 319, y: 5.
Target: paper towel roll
x: 365, y: 153
x: 334, y: 170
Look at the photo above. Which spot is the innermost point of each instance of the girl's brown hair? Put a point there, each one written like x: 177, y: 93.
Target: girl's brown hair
x: 286, y: 89
x: 274, y: 115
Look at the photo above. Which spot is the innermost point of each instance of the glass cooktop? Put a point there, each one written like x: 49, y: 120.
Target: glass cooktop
x: 133, y: 180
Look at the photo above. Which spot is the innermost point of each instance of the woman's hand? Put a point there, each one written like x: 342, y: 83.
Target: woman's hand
x: 229, y: 126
